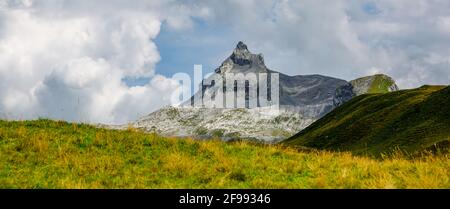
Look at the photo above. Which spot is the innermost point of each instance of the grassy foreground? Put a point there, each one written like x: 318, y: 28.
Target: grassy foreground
x: 52, y: 154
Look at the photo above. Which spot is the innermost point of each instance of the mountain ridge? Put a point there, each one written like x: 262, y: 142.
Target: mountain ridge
x: 302, y: 100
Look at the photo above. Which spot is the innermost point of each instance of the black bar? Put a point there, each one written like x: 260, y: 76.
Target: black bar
x: 279, y: 198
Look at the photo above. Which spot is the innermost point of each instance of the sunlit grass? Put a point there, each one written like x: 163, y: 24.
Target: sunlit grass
x: 51, y: 154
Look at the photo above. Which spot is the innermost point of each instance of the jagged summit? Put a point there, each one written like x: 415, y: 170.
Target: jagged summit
x: 241, y: 46
x: 312, y: 95
x: 243, y: 60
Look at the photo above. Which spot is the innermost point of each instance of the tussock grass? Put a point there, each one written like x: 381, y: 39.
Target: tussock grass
x: 55, y: 154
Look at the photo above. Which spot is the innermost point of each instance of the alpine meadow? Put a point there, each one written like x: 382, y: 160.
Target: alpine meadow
x: 57, y: 154
x: 222, y: 101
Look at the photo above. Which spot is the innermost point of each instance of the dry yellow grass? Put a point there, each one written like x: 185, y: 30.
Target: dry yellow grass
x: 51, y: 154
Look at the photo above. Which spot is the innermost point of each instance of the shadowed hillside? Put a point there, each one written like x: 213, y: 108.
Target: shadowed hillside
x: 410, y: 120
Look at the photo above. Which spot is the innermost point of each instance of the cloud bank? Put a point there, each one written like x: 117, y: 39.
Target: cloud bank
x: 407, y: 39
x: 67, y: 59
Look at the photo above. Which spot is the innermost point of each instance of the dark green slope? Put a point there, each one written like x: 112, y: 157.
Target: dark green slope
x: 412, y: 120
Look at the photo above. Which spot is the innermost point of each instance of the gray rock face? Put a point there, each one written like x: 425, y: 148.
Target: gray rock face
x: 311, y: 95
x: 223, y: 123
x: 302, y: 100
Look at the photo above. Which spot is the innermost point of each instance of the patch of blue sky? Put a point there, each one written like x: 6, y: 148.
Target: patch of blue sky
x: 371, y: 8
x: 204, y: 44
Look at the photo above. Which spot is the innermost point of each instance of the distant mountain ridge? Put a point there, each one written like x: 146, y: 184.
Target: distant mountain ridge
x: 312, y: 95
x: 302, y: 98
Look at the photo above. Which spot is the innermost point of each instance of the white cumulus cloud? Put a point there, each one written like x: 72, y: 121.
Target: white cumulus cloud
x: 60, y: 63
x: 68, y: 59
x: 343, y: 38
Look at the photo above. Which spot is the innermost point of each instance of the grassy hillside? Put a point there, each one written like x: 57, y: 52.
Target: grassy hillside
x: 51, y: 154
x: 380, y: 84
x: 410, y: 120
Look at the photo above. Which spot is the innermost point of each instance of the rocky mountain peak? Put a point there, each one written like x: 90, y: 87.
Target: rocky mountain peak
x: 241, y: 46
x: 302, y: 100
x: 243, y: 60
x: 241, y: 55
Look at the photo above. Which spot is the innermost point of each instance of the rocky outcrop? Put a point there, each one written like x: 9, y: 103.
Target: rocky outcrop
x: 378, y: 83
x: 228, y: 124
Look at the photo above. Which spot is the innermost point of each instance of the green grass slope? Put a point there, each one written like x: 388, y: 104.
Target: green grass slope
x: 410, y: 120
x: 380, y: 84
x: 53, y: 154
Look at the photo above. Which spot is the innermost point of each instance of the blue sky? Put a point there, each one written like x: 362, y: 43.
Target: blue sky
x: 181, y: 50
x: 203, y: 44
x: 371, y: 8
